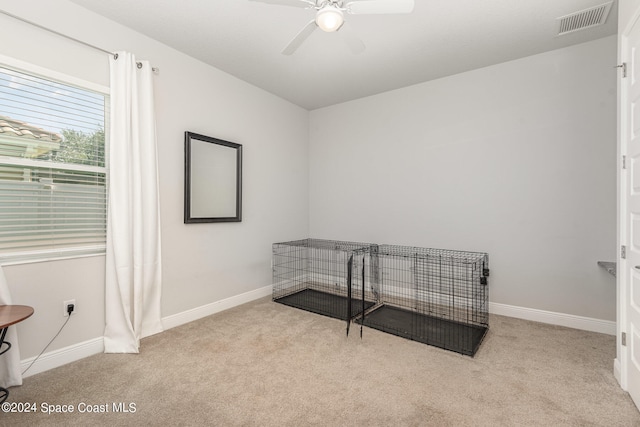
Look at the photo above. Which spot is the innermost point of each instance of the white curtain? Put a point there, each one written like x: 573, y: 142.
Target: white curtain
x: 10, y: 374
x: 133, y: 268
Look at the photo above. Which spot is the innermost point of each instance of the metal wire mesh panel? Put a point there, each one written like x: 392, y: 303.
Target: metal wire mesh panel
x: 438, y: 297
x: 316, y: 275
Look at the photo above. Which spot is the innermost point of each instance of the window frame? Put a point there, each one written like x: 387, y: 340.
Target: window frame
x: 43, y: 255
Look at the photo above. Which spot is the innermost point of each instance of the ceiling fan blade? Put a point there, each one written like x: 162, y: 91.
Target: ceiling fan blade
x: 294, y: 3
x: 354, y: 43
x: 379, y: 6
x: 300, y: 38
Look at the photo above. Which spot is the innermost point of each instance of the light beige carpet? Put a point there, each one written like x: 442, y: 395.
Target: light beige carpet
x: 265, y: 364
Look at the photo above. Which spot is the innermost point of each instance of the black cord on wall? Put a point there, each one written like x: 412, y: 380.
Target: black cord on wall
x: 69, y: 311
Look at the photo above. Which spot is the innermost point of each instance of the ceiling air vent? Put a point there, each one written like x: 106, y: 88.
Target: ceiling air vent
x: 584, y: 19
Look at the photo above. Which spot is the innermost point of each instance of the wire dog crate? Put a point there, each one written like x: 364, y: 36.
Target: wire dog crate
x: 322, y: 276
x: 434, y: 296
x: 437, y: 297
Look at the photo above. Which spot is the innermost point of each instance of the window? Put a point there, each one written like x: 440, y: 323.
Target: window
x: 53, y: 199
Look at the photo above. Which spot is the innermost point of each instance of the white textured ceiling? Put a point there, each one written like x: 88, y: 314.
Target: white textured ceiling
x: 441, y: 37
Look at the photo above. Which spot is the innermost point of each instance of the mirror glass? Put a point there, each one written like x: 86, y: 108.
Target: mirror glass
x: 213, y: 179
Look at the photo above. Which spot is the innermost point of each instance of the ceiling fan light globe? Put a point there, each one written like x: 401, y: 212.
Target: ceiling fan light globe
x: 329, y: 19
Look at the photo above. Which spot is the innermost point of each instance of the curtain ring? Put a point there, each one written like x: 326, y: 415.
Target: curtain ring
x: 139, y: 64
x: 115, y: 56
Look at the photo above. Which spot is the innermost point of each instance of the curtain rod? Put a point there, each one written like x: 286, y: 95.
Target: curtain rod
x: 154, y: 69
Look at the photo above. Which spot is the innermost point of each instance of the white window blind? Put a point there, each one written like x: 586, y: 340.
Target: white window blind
x: 52, y: 168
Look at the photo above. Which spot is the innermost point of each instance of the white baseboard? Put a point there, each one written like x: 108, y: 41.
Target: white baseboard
x: 215, y: 307
x: 88, y: 348
x: 62, y: 356
x: 561, y: 319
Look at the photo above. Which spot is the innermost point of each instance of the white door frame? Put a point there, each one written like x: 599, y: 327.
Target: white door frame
x: 622, y: 277
x: 620, y: 363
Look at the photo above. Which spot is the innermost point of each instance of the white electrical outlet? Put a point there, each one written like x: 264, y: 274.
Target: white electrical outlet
x: 66, y: 303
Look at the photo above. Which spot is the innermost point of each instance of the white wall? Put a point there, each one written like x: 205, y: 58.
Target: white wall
x: 202, y: 263
x: 516, y: 159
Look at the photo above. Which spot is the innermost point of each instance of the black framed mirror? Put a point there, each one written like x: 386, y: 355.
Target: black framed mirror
x: 212, y: 179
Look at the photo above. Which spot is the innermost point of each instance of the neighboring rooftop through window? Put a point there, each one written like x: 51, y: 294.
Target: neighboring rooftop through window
x: 20, y: 139
x: 13, y: 127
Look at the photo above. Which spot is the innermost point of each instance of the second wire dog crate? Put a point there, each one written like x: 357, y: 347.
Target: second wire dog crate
x: 434, y: 296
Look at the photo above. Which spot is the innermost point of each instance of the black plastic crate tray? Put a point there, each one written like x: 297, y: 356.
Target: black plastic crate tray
x: 459, y: 337
x: 323, y: 303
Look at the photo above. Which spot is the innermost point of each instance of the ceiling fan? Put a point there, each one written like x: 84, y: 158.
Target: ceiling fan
x: 330, y: 17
